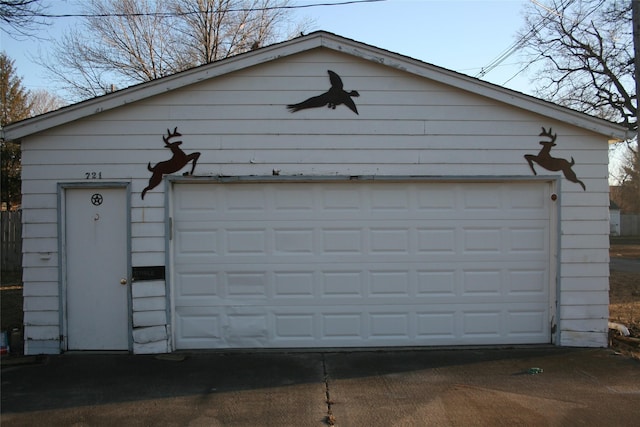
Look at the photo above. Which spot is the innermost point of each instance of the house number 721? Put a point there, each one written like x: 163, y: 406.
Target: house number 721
x: 93, y: 175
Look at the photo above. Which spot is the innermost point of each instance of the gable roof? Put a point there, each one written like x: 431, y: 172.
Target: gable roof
x: 301, y: 44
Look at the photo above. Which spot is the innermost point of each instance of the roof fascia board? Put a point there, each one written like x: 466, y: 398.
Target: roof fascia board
x: 476, y: 86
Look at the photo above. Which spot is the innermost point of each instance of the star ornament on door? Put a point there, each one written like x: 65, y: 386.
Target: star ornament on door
x: 96, y: 199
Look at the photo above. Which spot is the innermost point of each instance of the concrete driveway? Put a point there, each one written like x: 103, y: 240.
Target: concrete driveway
x: 462, y: 387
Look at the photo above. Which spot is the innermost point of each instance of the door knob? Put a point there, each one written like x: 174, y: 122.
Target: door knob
x: 123, y: 281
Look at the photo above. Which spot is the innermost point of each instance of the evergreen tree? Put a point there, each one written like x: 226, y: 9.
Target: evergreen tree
x: 14, y: 106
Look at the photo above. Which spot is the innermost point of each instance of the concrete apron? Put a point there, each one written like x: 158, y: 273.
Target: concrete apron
x: 518, y: 386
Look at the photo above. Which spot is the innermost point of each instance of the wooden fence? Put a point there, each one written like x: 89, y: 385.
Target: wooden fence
x: 11, y: 241
x: 629, y: 225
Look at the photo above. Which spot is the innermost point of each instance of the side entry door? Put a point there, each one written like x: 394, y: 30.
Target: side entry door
x: 95, y: 254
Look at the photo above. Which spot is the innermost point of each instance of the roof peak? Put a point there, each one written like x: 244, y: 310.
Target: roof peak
x: 303, y: 43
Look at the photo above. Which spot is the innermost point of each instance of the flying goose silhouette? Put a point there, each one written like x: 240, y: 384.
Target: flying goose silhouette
x: 333, y: 97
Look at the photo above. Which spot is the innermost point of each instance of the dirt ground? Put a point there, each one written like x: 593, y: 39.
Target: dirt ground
x: 624, y: 300
x: 10, y: 301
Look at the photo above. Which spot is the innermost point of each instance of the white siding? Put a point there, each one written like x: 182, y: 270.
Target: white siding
x: 408, y: 125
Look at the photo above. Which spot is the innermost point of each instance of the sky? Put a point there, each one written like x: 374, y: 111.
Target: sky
x: 460, y: 35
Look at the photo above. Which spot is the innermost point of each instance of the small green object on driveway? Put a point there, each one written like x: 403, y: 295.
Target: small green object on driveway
x: 534, y: 371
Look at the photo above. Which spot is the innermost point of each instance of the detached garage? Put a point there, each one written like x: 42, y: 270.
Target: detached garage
x: 318, y: 193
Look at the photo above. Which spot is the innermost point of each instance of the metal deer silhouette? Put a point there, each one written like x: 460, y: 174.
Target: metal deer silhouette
x: 554, y: 164
x: 174, y: 164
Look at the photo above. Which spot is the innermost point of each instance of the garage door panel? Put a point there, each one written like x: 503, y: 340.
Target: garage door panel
x: 246, y: 284
x: 265, y: 282
x: 482, y: 239
x: 439, y: 240
x: 530, y: 238
x: 252, y: 201
x: 197, y: 284
x: 203, y: 239
x: 340, y: 201
x: 392, y: 325
x: 245, y: 199
x: 343, y: 240
x: 293, y: 241
x: 294, y: 284
x: 481, y: 324
x: 206, y: 327
x: 343, y: 326
x: 341, y: 284
x: 303, y: 326
x: 357, y: 216
x: 241, y: 241
x: 527, y: 281
x: 482, y: 282
x: 437, y: 324
x: 441, y: 281
x: 360, y: 264
x: 527, y: 199
x: 527, y: 322
x: 387, y: 283
x: 294, y: 200
x: 199, y: 328
x: 387, y: 254
x: 199, y: 199
x: 385, y: 258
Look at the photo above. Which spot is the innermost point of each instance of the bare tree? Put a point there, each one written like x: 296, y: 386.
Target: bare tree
x: 122, y: 42
x: 216, y: 29
x: 585, y: 49
x: 21, y: 17
x: 133, y: 41
x: 627, y: 175
x: 42, y: 101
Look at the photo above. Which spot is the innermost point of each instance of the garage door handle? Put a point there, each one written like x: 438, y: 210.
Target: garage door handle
x: 123, y: 281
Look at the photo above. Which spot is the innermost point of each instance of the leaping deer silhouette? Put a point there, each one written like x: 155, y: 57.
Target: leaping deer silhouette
x: 554, y: 164
x: 174, y: 164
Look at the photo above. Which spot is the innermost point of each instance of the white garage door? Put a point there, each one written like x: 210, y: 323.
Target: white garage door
x: 344, y: 264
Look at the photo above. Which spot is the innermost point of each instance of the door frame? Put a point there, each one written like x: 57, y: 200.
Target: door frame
x: 62, y: 259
